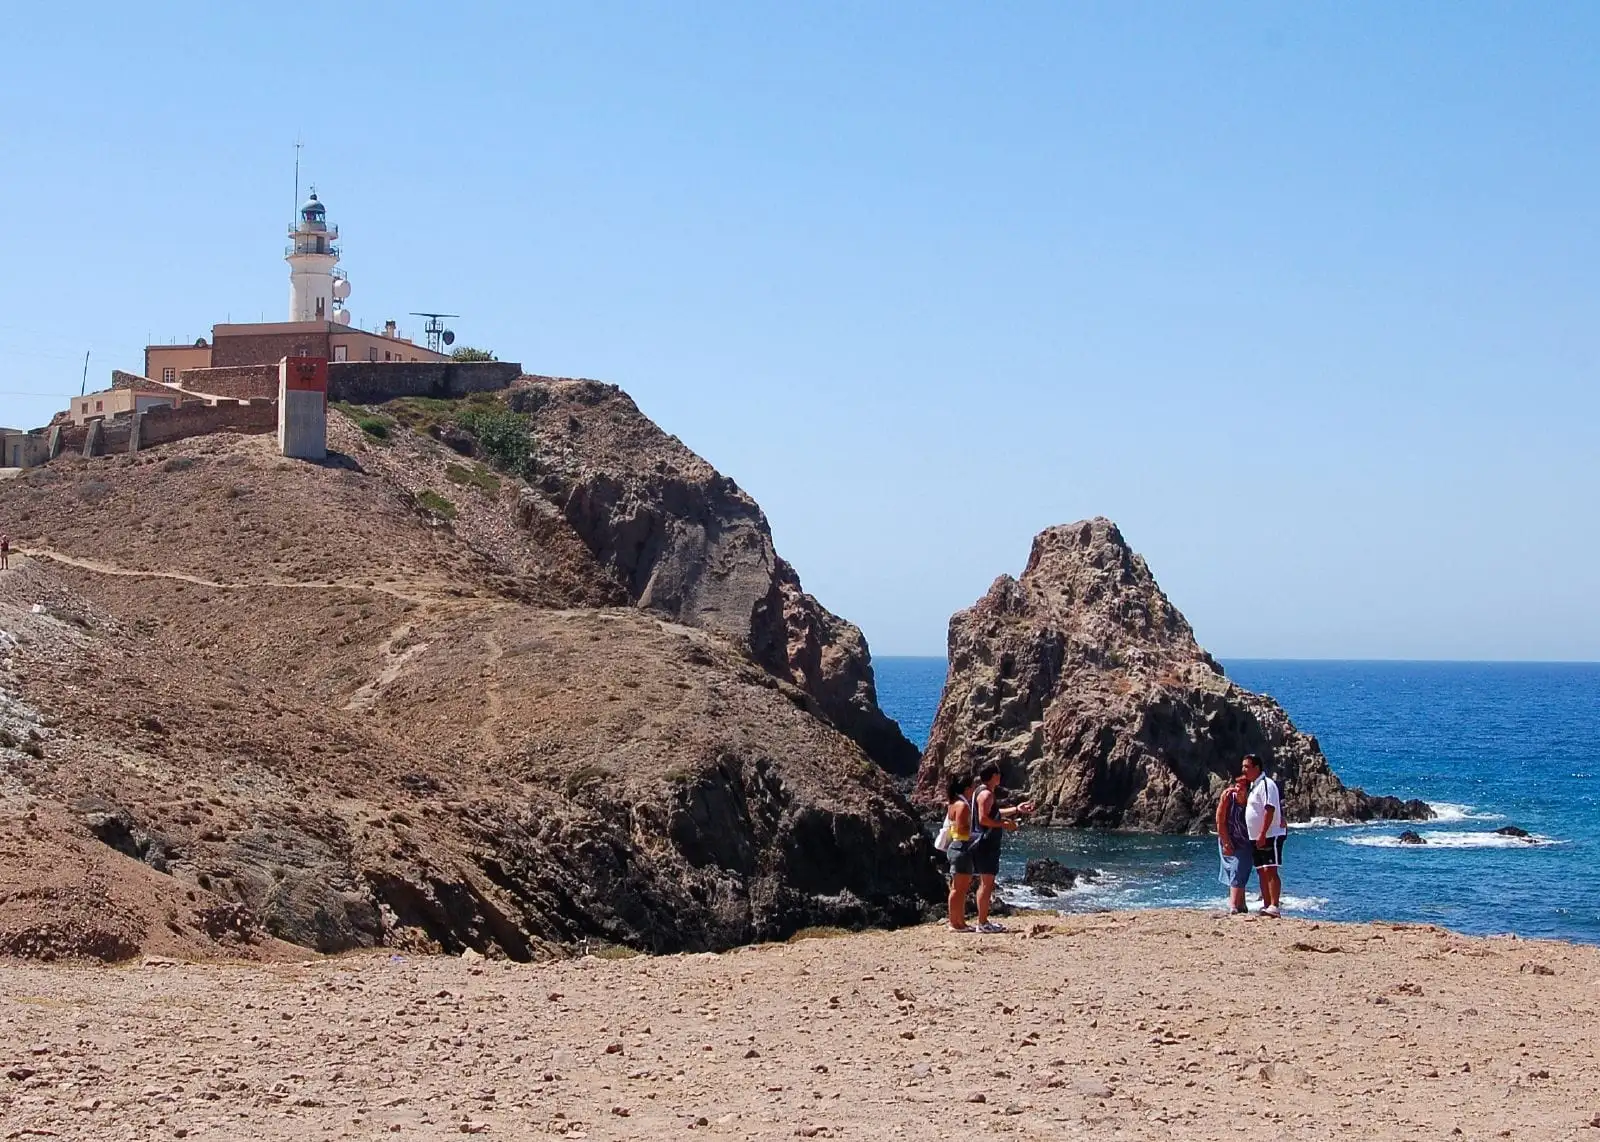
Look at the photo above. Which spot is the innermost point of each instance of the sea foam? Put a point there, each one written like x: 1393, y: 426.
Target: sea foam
x: 1452, y: 839
x: 1449, y: 811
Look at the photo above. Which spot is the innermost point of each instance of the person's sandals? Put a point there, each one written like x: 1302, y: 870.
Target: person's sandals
x: 1271, y: 910
x: 991, y: 926
x: 964, y: 929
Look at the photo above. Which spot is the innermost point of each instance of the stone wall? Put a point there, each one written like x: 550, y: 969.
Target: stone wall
x: 253, y: 349
x: 237, y: 382
x: 164, y: 425
x: 373, y: 382
x: 112, y: 437
x: 133, y: 381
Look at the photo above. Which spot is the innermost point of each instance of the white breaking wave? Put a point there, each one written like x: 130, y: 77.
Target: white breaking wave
x: 1286, y: 903
x: 1326, y: 823
x: 1449, y: 811
x: 1438, y: 839
x: 1024, y: 896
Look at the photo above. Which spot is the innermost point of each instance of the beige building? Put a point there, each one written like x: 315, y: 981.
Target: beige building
x: 109, y: 403
x: 166, y: 362
x: 266, y: 342
x: 20, y: 449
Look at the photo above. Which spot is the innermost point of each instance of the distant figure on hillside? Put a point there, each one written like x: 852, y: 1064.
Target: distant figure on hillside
x: 1263, y: 816
x: 958, y: 815
x: 992, y: 822
x: 5, y: 552
x: 1233, y: 838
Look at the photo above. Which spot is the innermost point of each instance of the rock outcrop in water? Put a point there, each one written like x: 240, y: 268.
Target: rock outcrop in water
x: 1087, y: 686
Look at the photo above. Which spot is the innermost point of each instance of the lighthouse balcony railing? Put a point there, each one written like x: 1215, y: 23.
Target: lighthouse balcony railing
x: 312, y: 248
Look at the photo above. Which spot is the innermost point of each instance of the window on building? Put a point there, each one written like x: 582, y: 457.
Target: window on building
x: 372, y: 354
x: 99, y: 406
x: 340, y: 353
x: 169, y: 374
x: 386, y: 354
x: 85, y: 406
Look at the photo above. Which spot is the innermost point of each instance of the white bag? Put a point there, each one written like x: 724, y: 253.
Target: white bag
x: 942, y: 841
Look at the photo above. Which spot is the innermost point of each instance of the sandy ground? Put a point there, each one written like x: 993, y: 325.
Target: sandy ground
x: 1150, y: 1025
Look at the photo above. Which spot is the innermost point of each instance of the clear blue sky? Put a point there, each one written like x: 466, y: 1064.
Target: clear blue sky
x: 1304, y: 296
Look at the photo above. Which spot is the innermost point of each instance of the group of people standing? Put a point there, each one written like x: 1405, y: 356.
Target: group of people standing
x: 974, y: 825
x: 1251, y: 829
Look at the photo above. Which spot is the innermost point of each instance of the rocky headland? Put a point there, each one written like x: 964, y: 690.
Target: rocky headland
x: 520, y: 674
x: 1086, y: 685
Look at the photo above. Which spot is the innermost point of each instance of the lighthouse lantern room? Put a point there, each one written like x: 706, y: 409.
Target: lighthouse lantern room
x: 317, y: 288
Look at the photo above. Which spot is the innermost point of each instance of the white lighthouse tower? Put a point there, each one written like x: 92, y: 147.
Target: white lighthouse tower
x: 316, y: 288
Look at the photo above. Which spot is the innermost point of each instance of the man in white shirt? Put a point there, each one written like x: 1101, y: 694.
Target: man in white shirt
x: 1263, y: 816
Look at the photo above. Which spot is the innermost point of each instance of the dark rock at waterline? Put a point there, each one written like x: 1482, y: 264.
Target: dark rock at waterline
x: 1048, y: 874
x: 1513, y: 831
x: 1410, y: 838
x: 1084, y: 683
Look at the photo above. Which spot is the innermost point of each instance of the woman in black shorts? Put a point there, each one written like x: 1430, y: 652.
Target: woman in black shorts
x: 958, y: 812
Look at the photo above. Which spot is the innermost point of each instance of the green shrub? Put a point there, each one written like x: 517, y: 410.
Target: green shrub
x: 422, y: 414
x: 374, y: 426
x: 503, y: 435
x: 583, y: 777
x: 476, y: 476
x: 433, y: 502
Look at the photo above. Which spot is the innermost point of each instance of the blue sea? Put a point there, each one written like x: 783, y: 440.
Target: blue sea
x: 1486, y: 744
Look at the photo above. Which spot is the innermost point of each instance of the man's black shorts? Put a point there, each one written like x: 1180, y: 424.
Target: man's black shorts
x: 986, y: 856
x: 1270, y: 856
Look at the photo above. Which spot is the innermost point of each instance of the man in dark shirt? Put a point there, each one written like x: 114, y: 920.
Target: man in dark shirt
x: 991, y: 822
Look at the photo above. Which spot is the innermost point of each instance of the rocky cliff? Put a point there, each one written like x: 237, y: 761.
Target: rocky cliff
x: 1087, y: 686
x: 687, y: 542
x: 409, y: 698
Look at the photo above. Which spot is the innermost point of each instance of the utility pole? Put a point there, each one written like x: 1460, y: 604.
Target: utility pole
x: 84, y: 387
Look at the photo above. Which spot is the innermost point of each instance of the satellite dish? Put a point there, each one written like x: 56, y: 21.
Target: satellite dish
x: 341, y: 316
x: 449, y: 337
x: 341, y: 289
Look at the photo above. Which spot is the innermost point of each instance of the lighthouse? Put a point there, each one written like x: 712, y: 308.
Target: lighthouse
x: 317, y: 288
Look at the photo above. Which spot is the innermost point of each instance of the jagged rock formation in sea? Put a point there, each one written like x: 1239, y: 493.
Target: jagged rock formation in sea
x: 414, y: 698
x: 1087, y: 686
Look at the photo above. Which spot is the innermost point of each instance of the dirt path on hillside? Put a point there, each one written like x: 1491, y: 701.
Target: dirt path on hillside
x: 493, y: 698
x: 100, y: 567
x: 1158, y: 1025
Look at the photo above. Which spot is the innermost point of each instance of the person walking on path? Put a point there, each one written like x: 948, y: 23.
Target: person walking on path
x: 1263, y: 816
x: 1233, y: 838
x: 5, y: 552
x: 993, y: 822
x: 958, y: 816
